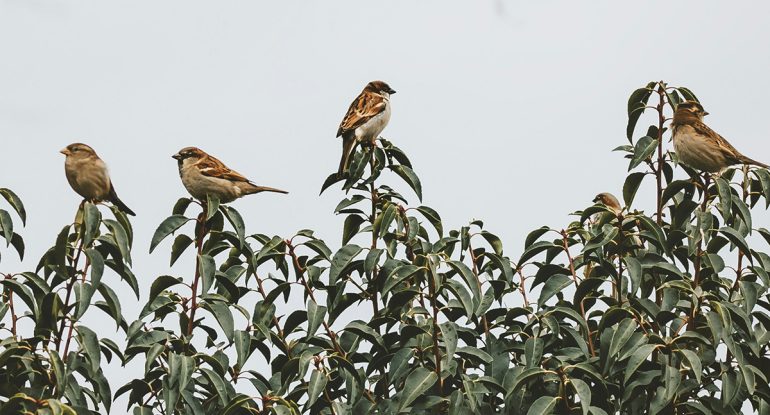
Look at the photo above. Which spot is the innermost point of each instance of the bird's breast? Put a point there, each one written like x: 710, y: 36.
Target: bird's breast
x: 372, y: 128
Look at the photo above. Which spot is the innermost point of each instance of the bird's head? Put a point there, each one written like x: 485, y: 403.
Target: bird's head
x: 690, y: 109
x: 78, y: 150
x: 189, y: 153
x: 379, y: 87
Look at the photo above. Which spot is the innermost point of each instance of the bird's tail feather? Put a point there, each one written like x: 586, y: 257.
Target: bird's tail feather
x: 115, y: 200
x: 747, y: 160
x: 348, y: 144
x: 257, y: 189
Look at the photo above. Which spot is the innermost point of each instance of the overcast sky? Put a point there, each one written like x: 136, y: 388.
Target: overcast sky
x: 508, y: 110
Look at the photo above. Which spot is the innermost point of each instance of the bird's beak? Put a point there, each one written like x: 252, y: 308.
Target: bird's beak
x: 177, y: 156
x: 705, y: 113
x: 65, y: 152
x: 392, y: 91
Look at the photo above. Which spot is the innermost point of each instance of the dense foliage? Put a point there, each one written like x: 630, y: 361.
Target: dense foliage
x: 616, y: 312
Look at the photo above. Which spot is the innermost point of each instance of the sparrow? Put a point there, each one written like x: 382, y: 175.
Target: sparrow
x: 88, y: 176
x: 609, y: 200
x: 366, y: 118
x: 203, y: 174
x: 698, y: 146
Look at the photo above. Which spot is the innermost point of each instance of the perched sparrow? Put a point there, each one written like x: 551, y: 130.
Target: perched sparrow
x: 88, y: 176
x: 698, y: 146
x: 366, y: 118
x: 609, y: 200
x: 203, y: 175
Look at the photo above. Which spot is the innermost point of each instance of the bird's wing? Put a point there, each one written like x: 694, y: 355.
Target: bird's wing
x: 724, y: 146
x: 363, y: 108
x: 212, y: 167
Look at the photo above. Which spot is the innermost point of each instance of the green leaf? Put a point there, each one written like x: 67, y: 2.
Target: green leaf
x: 468, y: 277
x: 315, y: 388
x: 533, y: 351
x: 162, y: 283
x: 341, y: 260
x: 168, y: 226
x: 553, y: 285
x: 636, y: 359
x: 223, y: 315
x: 219, y: 387
x: 543, y: 405
x: 91, y: 219
x: 333, y: 178
x: 242, y: 340
x: 433, y: 217
x: 695, y: 363
x: 6, y: 225
x: 15, y: 203
x: 409, y: 177
x: 212, y: 205
x: 60, y: 375
x: 89, y: 345
x: 207, y: 269
x: 449, y: 335
x: 584, y: 393
x: 121, y: 238
x: 624, y: 331
x: 236, y: 221
x: 419, y: 381
x: 181, y: 242
x: 315, y: 316
x: 631, y: 185
x: 360, y: 328
x: 83, y: 294
x: 350, y: 228
x: 636, y: 103
x: 235, y: 404
x: 383, y: 220
x: 643, y: 149
x: 634, y: 268
x: 725, y: 197
x: 736, y: 239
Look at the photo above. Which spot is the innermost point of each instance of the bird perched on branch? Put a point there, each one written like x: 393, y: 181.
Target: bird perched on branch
x: 698, y: 146
x: 609, y: 200
x: 88, y: 176
x: 203, y: 174
x: 366, y: 118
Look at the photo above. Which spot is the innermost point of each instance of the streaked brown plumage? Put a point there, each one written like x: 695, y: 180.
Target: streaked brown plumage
x: 367, y: 116
x: 698, y: 146
x: 88, y: 176
x: 203, y: 174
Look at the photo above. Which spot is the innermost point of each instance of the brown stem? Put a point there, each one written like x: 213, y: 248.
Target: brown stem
x: 698, y: 255
x: 478, y: 283
x: 375, y: 200
x: 522, y: 288
x: 574, y: 278
x: 661, y: 158
x: 14, y: 317
x: 436, y: 331
x: 72, y: 322
x: 201, y: 221
x: 70, y: 285
x: 300, y: 272
x: 739, y: 268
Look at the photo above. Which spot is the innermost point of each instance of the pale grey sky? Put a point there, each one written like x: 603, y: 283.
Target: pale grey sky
x: 507, y: 109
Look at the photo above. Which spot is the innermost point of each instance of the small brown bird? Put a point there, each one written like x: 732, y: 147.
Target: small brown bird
x: 698, y: 146
x: 203, y: 174
x: 88, y: 176
x: 366, y: 118
x: 609, y: 200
